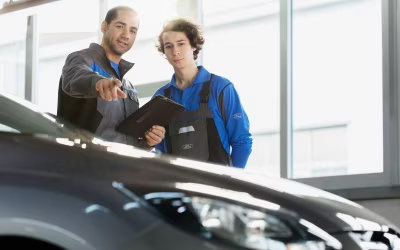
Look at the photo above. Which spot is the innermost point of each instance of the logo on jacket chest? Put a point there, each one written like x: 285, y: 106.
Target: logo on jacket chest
x: 187, y: 146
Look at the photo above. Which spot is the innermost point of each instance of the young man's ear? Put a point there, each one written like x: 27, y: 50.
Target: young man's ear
x: 103, y: 26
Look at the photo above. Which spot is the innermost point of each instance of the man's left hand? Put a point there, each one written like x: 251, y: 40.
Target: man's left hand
x: 154, y: 135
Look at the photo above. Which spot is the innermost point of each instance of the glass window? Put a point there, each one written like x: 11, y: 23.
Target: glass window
x: 12, y: 53
x: 242, y: 44
x: 59, y: 35
x: 337, y: 88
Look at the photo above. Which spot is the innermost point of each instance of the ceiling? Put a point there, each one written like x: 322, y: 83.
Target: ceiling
x: 14, y: 5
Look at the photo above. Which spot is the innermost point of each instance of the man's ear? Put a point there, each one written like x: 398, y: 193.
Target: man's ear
x: 103, y: 26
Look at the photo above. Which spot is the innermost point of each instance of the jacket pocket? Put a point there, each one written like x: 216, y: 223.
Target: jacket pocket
x: 189, y: 139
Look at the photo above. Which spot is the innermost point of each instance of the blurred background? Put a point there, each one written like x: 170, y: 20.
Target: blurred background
x: 336, y: 68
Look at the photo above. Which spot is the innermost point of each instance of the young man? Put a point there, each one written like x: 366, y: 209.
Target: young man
x: 214, y: 126
x: 93, y: 93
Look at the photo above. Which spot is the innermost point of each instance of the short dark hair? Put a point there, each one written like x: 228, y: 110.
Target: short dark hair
x: 192, y: 31
x: 113, y: 13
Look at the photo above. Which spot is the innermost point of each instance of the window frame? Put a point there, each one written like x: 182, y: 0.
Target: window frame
x: 391, y: 112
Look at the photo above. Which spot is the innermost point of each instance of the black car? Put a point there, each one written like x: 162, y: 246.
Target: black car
x: 63, y: 188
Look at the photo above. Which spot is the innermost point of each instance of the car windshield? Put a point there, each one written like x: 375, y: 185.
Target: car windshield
x: 20, y: 116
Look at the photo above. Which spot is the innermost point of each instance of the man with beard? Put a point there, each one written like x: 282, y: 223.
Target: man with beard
x: 93, y: 93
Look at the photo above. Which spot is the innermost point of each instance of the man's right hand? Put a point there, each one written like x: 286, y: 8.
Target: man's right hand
x: 109, y: 89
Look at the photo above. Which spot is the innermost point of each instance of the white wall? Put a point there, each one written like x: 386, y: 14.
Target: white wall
x: 388, y: 208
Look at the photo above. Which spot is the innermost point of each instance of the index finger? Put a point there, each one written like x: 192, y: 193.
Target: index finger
x: 116, y: 82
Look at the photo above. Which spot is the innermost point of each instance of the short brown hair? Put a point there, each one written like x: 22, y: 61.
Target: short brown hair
x: 113, y: 13
x: 192, y: 31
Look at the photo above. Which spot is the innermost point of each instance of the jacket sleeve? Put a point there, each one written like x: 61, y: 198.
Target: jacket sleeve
x: 237, y: 126
x: 78, y: 78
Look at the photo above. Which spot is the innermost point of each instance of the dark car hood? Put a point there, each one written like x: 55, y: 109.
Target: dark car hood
x: 324, y: 209
x: 142, y: 170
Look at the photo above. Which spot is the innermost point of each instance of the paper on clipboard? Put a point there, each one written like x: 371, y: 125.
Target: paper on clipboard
x: 158, y: 111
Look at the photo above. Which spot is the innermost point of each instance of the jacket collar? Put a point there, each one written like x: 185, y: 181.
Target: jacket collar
x: 124, y: 66
x: 202, y: 76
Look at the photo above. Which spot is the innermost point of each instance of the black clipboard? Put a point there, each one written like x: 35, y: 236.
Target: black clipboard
x: 158, y: 111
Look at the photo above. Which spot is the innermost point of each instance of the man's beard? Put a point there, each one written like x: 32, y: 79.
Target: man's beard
x: 113, y: 47
x: 115, y: 50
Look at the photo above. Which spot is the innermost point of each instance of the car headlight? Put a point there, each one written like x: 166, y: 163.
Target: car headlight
x: 247, y: 227
x: 243, y: 226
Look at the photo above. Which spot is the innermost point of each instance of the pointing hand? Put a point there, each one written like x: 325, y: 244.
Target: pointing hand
x: 109, y: 89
